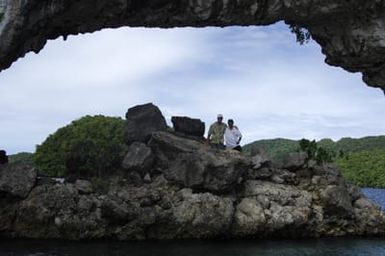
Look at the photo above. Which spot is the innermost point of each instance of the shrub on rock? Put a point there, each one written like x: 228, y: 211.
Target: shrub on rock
x: 90, y: 146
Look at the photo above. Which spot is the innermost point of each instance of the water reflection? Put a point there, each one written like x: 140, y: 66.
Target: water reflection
x: 328, y: 246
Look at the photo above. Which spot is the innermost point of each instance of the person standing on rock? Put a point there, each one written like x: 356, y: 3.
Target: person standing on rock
x: 232, y: 136
x: 216, y: 133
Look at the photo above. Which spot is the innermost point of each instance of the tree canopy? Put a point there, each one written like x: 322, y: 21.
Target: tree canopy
x: 89, y: 146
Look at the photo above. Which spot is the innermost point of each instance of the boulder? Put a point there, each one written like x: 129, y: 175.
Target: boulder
x: 364, y: 203
x: 202, y: 215
x: 294, y: 161
x: 36, y: 214
x: 336, y: 201
x: 205, y: 170
x: 166, y: 147
x: 138, y: 158
x: 169, y: 143
x: 286, y: 218
x: 84, y: 186
x: 116, y: 210
x: 249, y: 217
x: 259, y: 161
x: 278, y: 193
x: 142, y: 121
x: 188, y: 126
x: 17, y: 180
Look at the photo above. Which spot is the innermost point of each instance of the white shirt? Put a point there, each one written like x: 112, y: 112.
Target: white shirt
x: 232, y: 136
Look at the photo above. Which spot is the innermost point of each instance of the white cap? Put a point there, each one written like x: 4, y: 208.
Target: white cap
x: 219, y: 116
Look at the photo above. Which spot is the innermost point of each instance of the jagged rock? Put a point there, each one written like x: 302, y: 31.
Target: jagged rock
x: 147, y: 178
x: 3, y: 157
x: 169, y: 143
x: 208, y: 171
x: 259, y: 160
x: 36, y: 214
x: 336, y: 200
x: 142, y: 121
x: 139, y: 157
x: 357, y: 46
x: 294, y: 161
x: 280, y: 217
x: 17, y: 180
x: 84, y: 186
x: 281, y: 194
x: 249, y: 218
x: 364, y: 203
x: 188, y: 126
x: 117, y: 210
x: 166, y: 147
x: 203, y: 215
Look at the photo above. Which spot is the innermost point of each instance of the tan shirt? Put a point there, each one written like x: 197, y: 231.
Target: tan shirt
x: 216, y: 132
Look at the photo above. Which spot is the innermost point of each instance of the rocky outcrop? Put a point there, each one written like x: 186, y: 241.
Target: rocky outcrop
x: 199, y: 193
x: 188, y: 126
x: 138, y: 158
x: 176, y: 188
x: 351, y: 33
x: 142, y: 121
x: 17, y: 180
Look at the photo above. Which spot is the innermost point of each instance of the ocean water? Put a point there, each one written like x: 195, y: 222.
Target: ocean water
x: 375, y: 194
x: 325, y: 246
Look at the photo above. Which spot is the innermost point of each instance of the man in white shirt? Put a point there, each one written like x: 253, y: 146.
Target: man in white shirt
x: 232, y: 136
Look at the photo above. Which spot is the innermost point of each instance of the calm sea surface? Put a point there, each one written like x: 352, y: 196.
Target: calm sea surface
x: 326, y: 246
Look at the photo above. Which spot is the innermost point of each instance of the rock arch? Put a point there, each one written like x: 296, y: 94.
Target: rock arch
x: 351, y: 33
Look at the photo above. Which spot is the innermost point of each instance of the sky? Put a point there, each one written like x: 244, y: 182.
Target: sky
x: 261, y: 77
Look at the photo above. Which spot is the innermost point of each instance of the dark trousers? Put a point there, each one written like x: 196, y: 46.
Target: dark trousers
x: 238, y: 148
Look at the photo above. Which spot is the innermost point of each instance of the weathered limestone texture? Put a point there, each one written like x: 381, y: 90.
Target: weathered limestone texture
x: 351, y: 33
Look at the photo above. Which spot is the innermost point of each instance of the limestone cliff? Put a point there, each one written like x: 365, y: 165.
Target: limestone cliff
x: 351, y: 33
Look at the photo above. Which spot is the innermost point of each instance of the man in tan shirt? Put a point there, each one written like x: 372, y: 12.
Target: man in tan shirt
x: 216, y: 132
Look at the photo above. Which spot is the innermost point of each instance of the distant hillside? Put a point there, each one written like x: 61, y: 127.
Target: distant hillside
x: 276, y: 148
x: 24, y: 157
x: 362, y: 161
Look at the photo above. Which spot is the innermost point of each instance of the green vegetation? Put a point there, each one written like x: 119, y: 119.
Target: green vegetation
x: 275, y: 148
x: 315, y: 152
x: 91, y: 146
x: 302, y: 34
x: 362, y: 161
x: 1, y: 16
x: 365, y: 169
x: 23, y: 157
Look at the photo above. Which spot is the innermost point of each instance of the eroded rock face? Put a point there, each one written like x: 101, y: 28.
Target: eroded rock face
x: 142, y: 121
x: 351, y: 33
x: 188, y: 191
x: 188, y: 126
x: 200, y: 193
x: 17, y: 180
